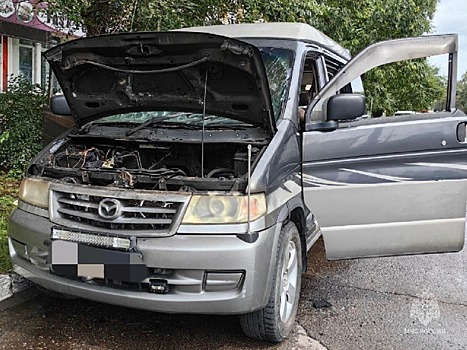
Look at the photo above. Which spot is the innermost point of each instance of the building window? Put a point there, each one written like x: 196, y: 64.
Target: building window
x: 44, y: 73
x: 25, y: 62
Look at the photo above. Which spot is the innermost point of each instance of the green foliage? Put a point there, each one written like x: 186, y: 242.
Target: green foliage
x: 172, y: 14
x: 8, y: 191
x: 98, y: 16
x: 413, y: 85
x: 20, y: 123
x: 280, y: 11
x: 461, y: 97
x: 410, y: 85
x: 355, y: 24
x: 108, y: 17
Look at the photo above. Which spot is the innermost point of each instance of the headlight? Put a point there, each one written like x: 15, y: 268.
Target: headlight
x: 35, y: 192
x: 212, y: 209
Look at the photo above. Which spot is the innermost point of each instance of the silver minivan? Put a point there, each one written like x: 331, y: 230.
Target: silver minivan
x: 202, y: 161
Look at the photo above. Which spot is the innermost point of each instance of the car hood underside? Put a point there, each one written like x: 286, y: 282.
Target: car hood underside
x: 165, y: 71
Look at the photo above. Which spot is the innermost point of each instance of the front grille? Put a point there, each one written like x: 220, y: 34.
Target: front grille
x: 131, y: 212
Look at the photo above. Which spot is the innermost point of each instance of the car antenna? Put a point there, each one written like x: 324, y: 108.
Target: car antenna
x: 249, y: 190
x: 204, y: 120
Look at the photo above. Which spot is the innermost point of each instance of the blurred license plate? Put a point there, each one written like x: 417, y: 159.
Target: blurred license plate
x: 81, y: 260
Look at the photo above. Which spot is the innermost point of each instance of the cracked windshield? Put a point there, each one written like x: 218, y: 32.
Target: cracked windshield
x: 278, y: 65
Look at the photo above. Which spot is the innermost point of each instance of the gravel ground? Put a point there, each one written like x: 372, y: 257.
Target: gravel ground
x: 371, y: 305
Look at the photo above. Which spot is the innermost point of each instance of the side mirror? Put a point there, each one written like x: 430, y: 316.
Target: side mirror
x: 345, y: 107
x: 59, y: 105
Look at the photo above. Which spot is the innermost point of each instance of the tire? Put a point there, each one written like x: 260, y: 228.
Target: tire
x: 275, y: 321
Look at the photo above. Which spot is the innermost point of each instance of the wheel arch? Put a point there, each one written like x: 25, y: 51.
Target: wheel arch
x: 297, y: 216
x: 294, y: 211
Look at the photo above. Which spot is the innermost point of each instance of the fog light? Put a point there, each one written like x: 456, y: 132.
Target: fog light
x: 158, y: 286
x: 220, y: 281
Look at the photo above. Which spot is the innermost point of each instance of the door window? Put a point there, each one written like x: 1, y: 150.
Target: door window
x: 310, y: 82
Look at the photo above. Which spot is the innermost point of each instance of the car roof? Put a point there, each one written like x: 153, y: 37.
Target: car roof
x: 288, y: 31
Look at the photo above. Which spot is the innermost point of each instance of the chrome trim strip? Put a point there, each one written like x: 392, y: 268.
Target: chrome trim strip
x: 118, y: 220
x: 385, y: 157
x: 33, y: 209
x: 378, y: 176
x: 321, y: 181
x: 441, y: 165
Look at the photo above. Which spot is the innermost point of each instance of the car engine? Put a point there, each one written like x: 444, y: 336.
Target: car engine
x: 164, y: 166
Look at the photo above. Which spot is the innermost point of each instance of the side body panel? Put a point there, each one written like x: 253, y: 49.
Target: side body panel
x: 278, y: 172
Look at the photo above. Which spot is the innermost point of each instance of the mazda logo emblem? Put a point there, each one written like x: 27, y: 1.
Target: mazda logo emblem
x: 109, y: 208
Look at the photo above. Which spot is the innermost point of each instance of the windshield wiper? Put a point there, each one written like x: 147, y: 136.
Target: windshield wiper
x: 229, y: 126
x: 155, y: 120
x: 85, y: 128
x: 180, y: 125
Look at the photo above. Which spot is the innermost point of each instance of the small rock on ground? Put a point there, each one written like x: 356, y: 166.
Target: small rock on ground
x: 5, y: 287
x: 19, y: 283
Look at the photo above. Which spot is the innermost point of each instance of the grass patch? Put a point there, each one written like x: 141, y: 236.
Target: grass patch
x: 8, y: 194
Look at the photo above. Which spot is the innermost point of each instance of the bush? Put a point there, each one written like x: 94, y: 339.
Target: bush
x: 20, y: 123
x: 8, y: 193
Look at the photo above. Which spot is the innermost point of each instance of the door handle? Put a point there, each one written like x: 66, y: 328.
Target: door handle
x: 462, y: 132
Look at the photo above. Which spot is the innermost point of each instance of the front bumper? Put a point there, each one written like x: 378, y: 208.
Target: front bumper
x: 210, y: 274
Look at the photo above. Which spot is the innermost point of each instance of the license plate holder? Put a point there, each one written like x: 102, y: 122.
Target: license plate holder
x: 75, y: 259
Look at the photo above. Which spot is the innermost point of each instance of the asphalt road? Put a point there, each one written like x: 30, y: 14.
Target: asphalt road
x: 372, y: 301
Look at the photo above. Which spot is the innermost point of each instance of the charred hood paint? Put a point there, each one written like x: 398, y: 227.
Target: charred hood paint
x: 163, y: 71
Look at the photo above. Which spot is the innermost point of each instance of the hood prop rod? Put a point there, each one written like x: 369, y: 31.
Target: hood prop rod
x: 248, y: 236
x: 204, y: 121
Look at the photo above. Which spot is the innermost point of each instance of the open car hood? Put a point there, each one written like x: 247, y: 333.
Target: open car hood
x: 163, y: 71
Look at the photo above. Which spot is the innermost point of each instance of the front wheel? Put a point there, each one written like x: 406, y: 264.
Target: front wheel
x: 275, y: 321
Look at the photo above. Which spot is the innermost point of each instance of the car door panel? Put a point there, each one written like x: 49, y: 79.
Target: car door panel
x: 391, y: 188
x: 396, y: 238
x: 390, y: 219
x: 387, y: 186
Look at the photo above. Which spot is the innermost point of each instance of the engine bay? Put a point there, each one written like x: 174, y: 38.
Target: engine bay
x: 163, y: 166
